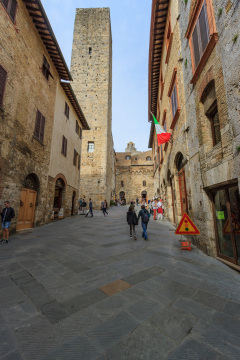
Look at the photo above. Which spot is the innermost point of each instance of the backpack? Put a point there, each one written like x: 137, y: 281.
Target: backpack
x: 145, y: 217
x: 135, y: 219
x: 84, y: 204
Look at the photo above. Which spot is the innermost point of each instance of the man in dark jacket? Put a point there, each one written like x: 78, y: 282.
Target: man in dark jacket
x: 7, y: 214
x: 144, y: 214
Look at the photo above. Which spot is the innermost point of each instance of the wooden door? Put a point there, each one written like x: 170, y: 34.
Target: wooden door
x: 27, y: 209
x: 183, y: 192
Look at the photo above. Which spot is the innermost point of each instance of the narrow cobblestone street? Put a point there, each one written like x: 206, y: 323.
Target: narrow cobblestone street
x: 173, y: 305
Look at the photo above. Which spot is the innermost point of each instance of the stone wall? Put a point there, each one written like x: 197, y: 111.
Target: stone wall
x: 132, y: 172
x: 211, y: 165
x: 26, y: 91
x: 91, y: 69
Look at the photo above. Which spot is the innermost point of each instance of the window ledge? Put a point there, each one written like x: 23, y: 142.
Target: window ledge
x: 175, y: 119
x: 169, y: 48
x: 204, y: 58
x: 40, y: 142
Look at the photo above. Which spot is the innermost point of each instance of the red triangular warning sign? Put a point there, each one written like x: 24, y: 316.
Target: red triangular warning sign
x: 186, y: 227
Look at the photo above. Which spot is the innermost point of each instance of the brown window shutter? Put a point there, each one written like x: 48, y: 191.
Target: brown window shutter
x: 42, y: 128
x: 174, y: 100
x: 65, y: 148
x: 63, y: 145
x: 74, y: 157
x: 196, y: 47
x: 203, y: 26
x: 13, y: 9
x: 37, y: 124
x: 3, y: 77
x: 80, y: 134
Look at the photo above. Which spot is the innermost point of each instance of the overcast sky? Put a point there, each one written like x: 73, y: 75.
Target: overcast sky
x: 130, y: 21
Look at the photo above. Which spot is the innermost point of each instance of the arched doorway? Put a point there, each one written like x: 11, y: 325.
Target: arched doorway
x: 122, y: 197
x: 59, y: 194
x: 182, y: 182
x: 144, y: 195
x: 73, y: 202
x: 30, y: 190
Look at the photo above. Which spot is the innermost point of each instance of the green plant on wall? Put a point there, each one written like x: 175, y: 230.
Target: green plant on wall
x: 185, y: 63
x: 235, y: 37
x: 220, y: 12
x: 238, y: 149
x: 186, y: 1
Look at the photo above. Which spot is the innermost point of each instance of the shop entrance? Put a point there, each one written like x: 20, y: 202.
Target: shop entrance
x: 58, y: 196
x: 226, y: 207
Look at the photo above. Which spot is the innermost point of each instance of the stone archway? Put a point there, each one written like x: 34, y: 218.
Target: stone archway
x: 59, y: 197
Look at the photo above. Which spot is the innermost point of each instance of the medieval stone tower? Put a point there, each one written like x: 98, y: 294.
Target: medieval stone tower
x: 91, y: 69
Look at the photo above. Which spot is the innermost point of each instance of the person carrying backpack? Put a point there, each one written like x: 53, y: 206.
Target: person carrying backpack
x: 132, y: 221
x: 144, y: 214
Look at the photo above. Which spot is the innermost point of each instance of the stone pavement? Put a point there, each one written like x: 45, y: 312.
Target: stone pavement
x: 57, y: 304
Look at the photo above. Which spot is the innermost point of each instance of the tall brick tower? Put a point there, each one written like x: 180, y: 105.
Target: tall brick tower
x: 91, y: 69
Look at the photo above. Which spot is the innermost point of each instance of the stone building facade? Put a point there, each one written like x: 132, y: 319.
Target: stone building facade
x: 65, y: 159
x: 134, y: 174
x: 199, y: 169
x: 31, y: 68
x: 91, y: 68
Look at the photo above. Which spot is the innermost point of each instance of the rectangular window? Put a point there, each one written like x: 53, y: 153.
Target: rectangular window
x: 3, y: 78
x: 122, y: 183
x: 161, y: 85
x: 174, y: 101
x: 66, y: 111
x: 215, y: 126
x: 144, y: 183
x: 46, y: 68
x: 80, y: 133
x: 77, y: 127
x: 200, y: 36
x: 11, y: 8
x: 75, y: 155
x: 39, y: 126
x: 165, y: 126
x: 91, y: 146
x: 64, y: 146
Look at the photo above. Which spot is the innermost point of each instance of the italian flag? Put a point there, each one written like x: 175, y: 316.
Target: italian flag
x: 162, y: 135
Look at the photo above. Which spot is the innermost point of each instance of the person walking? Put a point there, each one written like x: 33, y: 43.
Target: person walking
x: 132, y: 221
x: 90, y: 208
x: 159, y: 210
x: 154, y: 205
x: 7, y: 214
x: 137, y: 201
x: 104, y: 207
x: 144, y: 214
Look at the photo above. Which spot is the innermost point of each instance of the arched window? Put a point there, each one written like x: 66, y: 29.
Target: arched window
x: 127, y: 157
x: 148, y: 158
x: 144, y: 183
